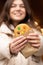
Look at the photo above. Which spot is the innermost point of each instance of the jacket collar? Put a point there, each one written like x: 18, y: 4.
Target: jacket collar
x: 5, y: 29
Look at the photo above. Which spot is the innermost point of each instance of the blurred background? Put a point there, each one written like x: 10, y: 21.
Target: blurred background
x: 37, y: 11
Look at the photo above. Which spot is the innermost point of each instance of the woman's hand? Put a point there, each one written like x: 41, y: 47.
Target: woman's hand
x: 34, y: 40
x: 17, y: 44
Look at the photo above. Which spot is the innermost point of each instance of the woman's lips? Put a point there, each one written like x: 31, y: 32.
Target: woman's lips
x: 18, y: 14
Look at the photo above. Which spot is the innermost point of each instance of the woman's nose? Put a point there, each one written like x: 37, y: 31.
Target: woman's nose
x: 18, y: 8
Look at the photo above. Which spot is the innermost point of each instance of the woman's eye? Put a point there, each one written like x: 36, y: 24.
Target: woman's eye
x: 13, y: 6
x: 22, y: 6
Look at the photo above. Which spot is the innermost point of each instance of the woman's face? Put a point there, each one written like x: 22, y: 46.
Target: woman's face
x: 17, y: 10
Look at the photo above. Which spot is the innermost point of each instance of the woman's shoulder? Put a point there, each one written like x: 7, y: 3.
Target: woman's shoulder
x: 4, y: 28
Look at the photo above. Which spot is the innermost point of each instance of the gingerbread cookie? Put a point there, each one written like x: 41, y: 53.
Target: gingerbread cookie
x: 24, y: 29
x: 21, y: 29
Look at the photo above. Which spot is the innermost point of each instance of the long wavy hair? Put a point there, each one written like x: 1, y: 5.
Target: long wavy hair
x: 4, y: 17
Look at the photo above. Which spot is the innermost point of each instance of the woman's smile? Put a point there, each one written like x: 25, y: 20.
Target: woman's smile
x: 17, y: 13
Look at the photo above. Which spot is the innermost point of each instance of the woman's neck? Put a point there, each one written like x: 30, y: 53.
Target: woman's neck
x: 15, y: 23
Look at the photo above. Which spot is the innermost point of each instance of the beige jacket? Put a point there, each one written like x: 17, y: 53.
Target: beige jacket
x: 7, y: 59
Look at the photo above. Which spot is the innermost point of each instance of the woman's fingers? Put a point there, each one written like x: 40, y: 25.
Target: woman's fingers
x: 19, y: 49
x: 33, y: 37
x: 18, y: 42
x: 34, y: 40
x: 16, y: 49
x: 20, y: 45
x: 16, y: 39
x: 36, y: 45
x: 33, y: 34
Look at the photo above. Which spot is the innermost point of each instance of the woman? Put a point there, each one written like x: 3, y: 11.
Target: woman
x: 15, y: 12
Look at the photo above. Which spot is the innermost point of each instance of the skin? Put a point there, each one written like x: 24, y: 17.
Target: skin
x: 34, y: 40
x: 17, y: 44
x: 18, y: 13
